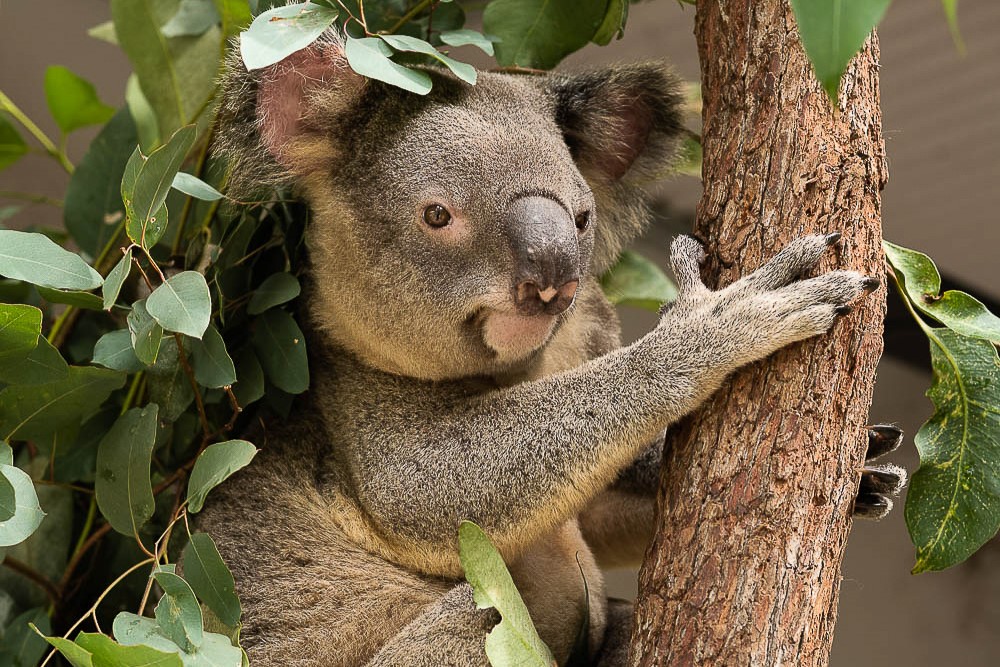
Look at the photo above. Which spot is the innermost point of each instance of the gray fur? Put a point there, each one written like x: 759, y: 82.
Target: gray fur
x: 342, y: 534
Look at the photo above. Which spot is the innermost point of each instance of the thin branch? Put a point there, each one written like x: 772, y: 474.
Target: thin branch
x: 34, y: 575
x: 31, y: 197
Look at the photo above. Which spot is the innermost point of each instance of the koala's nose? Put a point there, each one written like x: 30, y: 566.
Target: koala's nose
x: 543, y: 237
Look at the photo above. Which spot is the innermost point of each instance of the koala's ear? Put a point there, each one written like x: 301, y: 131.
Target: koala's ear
x: 621, y: 121
x: 274, y: 124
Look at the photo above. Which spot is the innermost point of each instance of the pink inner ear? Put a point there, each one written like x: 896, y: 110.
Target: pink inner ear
x: 283, y: 89
x: 631, y: 132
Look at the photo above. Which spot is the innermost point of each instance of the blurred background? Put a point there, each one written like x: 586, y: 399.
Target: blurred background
x: 942, y: 129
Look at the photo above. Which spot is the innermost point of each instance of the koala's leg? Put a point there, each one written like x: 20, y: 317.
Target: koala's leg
x: 449, y: 633
x: 879, y: 482
x: 614, y: 650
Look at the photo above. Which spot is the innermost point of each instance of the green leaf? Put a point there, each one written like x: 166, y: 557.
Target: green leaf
x: 94, y: 208
x: 213, y: 366
x: 193, y: 18
x: 636, y: 281
x: 466, y: 37
x: 613, y: 25
x: 76, y: 298
x: 107, y: 653
x: 281, y: 349
x: 145, y: 332
x: 143, y: 114
x: 8, y: 505
x: 833, y: 31
x: 235, y: 16
x: 953, y: 503
x: 956, y: 310
x: 12, y: 146
x: 104, y: 32
x: 277, y: 288
x: 176, y: 74
x: 280, y: 32
x: 215, y: 651
x: 146, y: 183
x: 514, y: 641
x: 195, y: 187
x: 21, y: 646
x: 211, y: 579
x: 122, y: 484
x: 30, y: 412
x: 35, y: 259
x: 169, y: 385
x: 249, y: 385
x: 214, y: 466
x: 116, y: 278
x: 44, y: 364
x: 27, y: 514
x: 951, y: 12
x: 370, y: 57
x: 182, y: 304
x: 540, y: 33
x: 114, y: 350
x: 73, y: 100
x: 75, y: 654
x: 20, y: 327
x: 178, y: 613
x: 463, y: 71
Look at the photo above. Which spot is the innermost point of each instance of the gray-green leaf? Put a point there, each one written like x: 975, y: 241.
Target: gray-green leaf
x: 466, y: 37
x: 146, y: 183
x: 463, y: 71
x: 145, y: 332
x: 540, y: 33
x: 370, y: 57
x: 106, y: 652
x: 636, y: 281
x: 178, y: 613
x: 277, y: 288
x: 123, y: 487
x: 195, y: 187
x: 281, y: 349
x: 36, y: 259
x: 27, y: 514
x: 211, y: 579
x: 514, y: 641
x: 193, y: 18
x: 833, y: 31
x: 43, y: 365
x: 116, y: 278
x: 182, y: 304
x: 213, y: 366
x: 20, y: 326
x: 114, y: 350
x: 214, y: 466
x: 280, y: 32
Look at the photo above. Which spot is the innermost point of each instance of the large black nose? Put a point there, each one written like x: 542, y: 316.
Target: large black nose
x: 543, y: 237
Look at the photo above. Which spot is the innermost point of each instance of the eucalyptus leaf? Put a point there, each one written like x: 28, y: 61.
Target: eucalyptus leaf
x: 123, y: 487
x: 613, y: 25
x: 956, y: 310
x: 370, y: 57
x: 12, y: 146
x: 21, y: 646
x: 145, y: 332
x: 42, y: 365
x: 8, y: 502
x: 466, y: 37
x: 281, y: 350
x: 540, y: 33
x: 278, y: 33
x: 76, y: 655
x: 463, y: 71
x: 73, y: 100
x: 211, y: 579
x: 178, y: 613
x: 114, y: 350
x: 20, y: 326
x: 214, y: 466
x: 636, y: 281
x: 107, y: 653
x: 76, y: 298
x: 33, y: 411
x: 35, y: 259
x: 215, y: 650
x: 514, y: 641
x: 169, y: 385
x: 249, y: 385
x: 27, y: 514
x: 147, y: 127
x: 182, y: 304
x: 146, y: 183
x: 951, y: 13
x: 116, y: 278
x: 193, y: 18
x: 277, y: 288
x: 195, y: 187
x: 213, y: 366
x: 833, y: 31
x: 235, y: 16
x: 104, y: 32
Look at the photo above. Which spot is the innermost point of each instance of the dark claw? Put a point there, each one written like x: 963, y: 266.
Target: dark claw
x: 872, y: 506
x: 871, y: 284
x: 832, y: 238
x: 886, y: 478
x: 842, y: 310
x: 882, y: 439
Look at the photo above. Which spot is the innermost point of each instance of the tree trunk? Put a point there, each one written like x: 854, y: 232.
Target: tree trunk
x: 756, y: 496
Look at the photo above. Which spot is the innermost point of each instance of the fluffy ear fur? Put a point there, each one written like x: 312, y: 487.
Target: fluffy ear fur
x: 622, y: 125
x: 273, y: 123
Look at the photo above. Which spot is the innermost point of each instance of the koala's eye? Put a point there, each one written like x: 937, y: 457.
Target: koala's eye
x: 583, y: 220
x: 436, y: 215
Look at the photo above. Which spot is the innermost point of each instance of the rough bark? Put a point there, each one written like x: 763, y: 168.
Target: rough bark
x: 758, y: 485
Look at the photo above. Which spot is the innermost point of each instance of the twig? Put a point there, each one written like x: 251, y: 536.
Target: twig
x: 31, y: 197
x: 34, y: 575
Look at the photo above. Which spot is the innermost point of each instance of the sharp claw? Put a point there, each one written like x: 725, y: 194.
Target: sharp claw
x: 882, y: 439
x: 872, y: 506
x: 832, y: 238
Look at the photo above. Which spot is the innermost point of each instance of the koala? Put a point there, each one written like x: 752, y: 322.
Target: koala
x: 465, y: 362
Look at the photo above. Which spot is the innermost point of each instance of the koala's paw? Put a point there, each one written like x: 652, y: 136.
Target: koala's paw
x: 879, y: 482
x: 773, y: 306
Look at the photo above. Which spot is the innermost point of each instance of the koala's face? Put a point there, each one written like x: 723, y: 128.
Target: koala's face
x: 452, y: 233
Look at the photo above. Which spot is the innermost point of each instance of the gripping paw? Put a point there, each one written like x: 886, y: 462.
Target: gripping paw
x: 879, y: 482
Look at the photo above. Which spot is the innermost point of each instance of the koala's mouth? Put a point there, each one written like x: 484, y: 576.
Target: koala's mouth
x: 512, y: 335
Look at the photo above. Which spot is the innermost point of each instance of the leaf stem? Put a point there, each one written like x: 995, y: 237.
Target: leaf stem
x: 6, y: 104
x: 417, y: 8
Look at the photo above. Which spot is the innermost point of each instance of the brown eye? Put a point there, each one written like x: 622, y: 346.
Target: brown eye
x: 583, y: 220
x: 436, y: 215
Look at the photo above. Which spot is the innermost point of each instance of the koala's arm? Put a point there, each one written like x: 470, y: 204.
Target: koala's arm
x: 521, y: 460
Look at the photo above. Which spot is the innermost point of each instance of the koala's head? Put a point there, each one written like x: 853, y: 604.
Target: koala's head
x: 450, y: 233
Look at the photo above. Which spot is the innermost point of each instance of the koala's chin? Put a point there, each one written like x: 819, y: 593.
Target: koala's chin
x: 514, y: 336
